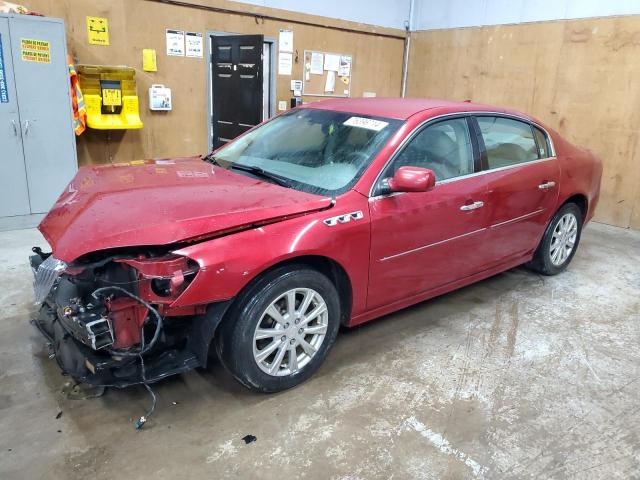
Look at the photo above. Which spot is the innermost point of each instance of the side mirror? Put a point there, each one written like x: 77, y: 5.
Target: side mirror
x: 412, y: 179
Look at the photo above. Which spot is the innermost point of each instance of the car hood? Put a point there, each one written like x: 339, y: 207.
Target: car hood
x: 160, y: 202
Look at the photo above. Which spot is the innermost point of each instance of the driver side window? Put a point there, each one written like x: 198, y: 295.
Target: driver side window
x: 444, y: 147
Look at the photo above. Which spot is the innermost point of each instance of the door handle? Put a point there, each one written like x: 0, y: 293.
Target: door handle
x: 26, y: 127
x: 472, y: 206
x: 546, y: 185
x: 15, y: 127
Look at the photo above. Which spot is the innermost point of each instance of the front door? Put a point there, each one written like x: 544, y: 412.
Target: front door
x: 237, y: 89
x: 420, y: 241
x: 14, y: 195
x: 46, y: 119
x: 522, y: 179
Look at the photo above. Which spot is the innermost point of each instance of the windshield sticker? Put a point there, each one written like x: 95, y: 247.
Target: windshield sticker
x: 368, y: 123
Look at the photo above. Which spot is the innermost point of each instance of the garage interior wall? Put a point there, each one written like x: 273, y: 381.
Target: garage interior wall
x: 138, y: 24
x: 578, y: 76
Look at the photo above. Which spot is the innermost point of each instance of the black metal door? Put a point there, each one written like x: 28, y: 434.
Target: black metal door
x: 237, y: 85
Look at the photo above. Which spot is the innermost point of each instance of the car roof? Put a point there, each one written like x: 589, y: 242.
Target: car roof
x: 401, y: 108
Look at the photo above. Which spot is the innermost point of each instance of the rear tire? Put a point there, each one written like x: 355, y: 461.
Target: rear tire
x: 560, y: 241
x: 280, y: 329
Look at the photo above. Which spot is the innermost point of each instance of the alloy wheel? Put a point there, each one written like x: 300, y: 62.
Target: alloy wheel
x: 563, y: 239
x: 290, y: 332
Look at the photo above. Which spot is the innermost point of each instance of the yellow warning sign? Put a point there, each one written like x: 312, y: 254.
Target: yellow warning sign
x: 111, y: 97
x: 98, y: 31
x: 35, y: 50
x: 149, y: 60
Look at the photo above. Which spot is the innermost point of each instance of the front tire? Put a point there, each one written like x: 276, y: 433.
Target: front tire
x: 560, y: 241
x: 280, y: 329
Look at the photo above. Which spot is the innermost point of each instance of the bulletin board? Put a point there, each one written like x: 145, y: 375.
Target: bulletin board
x: 336, y: 65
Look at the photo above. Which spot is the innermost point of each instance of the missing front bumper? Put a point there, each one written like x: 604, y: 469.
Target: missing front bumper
x: 97, y: 368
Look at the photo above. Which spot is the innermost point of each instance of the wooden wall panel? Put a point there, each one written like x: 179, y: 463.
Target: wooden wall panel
x: 138, y: 24
x: 579, y: 76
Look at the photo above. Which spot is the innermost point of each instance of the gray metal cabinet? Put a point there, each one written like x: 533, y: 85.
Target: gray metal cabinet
x: 37, y: 143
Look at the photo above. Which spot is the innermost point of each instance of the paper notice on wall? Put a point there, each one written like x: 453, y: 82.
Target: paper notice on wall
x: 98, y: 31
x: 331, y: 62
x: 285, y: 42
x: 193, y: 44
x: 285, y: 63
x: 317, y: 60
x: 296, y: 85
x: 345, y: 66
x: 175, y: 43
x: 330, y: 84
x: 149, y: 60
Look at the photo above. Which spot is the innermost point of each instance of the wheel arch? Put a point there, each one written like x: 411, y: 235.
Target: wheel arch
x: 329, y: 267
x: 332, y: 270
x: 580, y: 200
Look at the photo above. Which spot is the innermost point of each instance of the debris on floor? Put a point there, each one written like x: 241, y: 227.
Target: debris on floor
x: 249, y: 439
x: 81, y: 391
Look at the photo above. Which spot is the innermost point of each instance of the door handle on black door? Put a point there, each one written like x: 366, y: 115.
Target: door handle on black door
x: 546, y: 185
x: 472, y: 206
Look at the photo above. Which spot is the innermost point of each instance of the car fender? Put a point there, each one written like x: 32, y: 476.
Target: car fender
x: 580, y: 174
x: 228, y: 264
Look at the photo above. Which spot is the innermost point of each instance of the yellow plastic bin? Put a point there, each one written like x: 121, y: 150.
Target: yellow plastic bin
x: 110, y: 96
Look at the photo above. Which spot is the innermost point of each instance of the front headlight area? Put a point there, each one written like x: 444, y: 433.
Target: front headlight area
x: 162, y: 279
x: 111, y: 304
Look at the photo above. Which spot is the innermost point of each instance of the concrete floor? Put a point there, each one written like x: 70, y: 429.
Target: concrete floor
x: 518, y: 376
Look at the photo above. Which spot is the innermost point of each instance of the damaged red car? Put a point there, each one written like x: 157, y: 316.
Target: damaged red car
x: 331, y: 214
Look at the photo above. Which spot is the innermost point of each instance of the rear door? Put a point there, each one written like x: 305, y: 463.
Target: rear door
x: 423, y: 240
x: 522, y: 175
x: 237, y: 89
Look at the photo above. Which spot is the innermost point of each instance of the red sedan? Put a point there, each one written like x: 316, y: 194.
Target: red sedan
x: 331, y: 214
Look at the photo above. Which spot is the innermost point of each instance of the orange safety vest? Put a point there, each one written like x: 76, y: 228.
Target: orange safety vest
x: 77, y: 100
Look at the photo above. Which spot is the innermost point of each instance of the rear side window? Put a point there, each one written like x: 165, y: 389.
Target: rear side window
x: 508, y: 142
x: 543, y: 144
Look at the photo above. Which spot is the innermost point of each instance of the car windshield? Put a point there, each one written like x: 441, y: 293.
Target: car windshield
x: 317, y: 151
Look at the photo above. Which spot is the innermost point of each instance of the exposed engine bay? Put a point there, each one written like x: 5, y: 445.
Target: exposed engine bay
x: 109, y: 317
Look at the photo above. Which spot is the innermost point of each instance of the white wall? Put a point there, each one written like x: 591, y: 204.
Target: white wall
x: 435, y: 14
x: 382, y: 13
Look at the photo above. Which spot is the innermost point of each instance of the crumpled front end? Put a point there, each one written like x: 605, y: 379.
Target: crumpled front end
x: 110, y: 321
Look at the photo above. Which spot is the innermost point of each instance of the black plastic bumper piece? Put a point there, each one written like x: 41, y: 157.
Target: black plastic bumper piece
x: 95, y: 368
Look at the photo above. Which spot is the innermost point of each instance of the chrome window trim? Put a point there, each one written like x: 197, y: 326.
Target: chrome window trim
x: 424, y: 124
x: 470, y: 175
x: 424, y: 247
